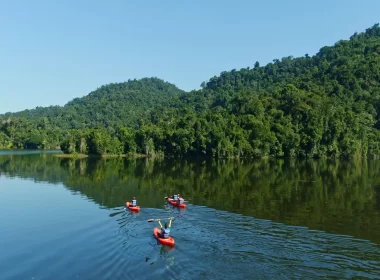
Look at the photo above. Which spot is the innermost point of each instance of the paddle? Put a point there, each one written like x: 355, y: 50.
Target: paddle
x: 116, y: 213
x: 152, y: 220
x: 170, y: 197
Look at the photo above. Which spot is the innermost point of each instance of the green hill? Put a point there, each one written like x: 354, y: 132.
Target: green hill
x: 327, y: 104
x: 349, y: 70
x: 110, y: 105
x: 321, y: 105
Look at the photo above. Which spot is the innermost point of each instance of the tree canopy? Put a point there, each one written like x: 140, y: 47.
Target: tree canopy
x: 315, y: 106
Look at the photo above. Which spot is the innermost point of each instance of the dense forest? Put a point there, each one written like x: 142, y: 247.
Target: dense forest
x: 314, y: 106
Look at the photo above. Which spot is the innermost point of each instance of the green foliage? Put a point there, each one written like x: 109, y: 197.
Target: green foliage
x: 127, y: 138
x: 113, y: 105
x: 19, y: 133
x: 326, y: 105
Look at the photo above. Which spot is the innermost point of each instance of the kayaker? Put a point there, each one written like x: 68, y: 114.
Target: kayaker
x: 175, y: 197
x: 180, y: 200
x: 165, y: 231
x: 134, y: 202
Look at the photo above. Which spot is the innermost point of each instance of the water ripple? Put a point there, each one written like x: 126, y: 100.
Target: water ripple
x: 210, y: 244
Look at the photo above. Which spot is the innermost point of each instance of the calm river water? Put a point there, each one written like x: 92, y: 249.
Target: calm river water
x: 263, y: 219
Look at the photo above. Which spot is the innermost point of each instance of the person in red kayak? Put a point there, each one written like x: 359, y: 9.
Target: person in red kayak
x: 165, y: 231
x: 134, y: 202
x: 180, y: 199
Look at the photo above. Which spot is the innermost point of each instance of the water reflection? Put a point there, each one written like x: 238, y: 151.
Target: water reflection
x: 331, y: 195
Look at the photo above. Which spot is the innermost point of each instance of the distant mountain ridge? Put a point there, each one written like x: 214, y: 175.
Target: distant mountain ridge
x: 112, y: 104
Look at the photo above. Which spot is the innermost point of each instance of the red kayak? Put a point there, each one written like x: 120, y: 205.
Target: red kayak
x: 133, y: 208
x: 174, y: 203
x: 165, y: 241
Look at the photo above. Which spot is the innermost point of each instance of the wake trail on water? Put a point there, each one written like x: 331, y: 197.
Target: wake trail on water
x: 216, y: 243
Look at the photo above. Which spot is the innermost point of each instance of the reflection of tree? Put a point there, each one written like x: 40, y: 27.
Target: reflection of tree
x: 333, y: 195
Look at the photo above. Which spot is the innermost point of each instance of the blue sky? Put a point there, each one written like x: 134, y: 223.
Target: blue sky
x: 53, y: 51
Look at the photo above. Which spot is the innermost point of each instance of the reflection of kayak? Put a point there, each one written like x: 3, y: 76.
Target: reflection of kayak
x: 174, y: 203
x: 165, y: 241
x: 135, y: 208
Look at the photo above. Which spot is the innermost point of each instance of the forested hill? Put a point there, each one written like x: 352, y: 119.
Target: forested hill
x: 118, y: 104
x: 322, y: 105
x: 348, y: 71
